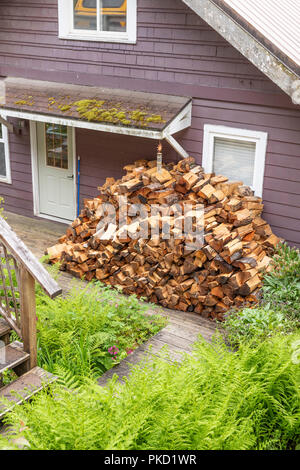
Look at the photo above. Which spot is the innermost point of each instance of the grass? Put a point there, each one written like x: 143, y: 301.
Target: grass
x: 213, y: 400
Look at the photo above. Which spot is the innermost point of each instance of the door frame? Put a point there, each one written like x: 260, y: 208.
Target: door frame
x: 35, y: 174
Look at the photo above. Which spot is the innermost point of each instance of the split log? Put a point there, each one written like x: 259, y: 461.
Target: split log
x: 167, y: 268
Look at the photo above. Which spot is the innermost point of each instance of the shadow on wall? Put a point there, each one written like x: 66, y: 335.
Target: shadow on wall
x: 104, y: 155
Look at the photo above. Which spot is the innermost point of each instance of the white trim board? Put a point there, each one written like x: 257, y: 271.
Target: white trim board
x: 67, y: 30
x: 5, y: 140
x: 35, y: 175
x: 179, y: 122
x: 259, y: 138
x: 7, y: 124
x: 86, y: 125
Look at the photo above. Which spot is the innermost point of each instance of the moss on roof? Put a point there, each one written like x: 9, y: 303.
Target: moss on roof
x: 101, y: 111
x: 94, y: 110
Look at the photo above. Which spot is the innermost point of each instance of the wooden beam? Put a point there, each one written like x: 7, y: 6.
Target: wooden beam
x: 182, y: 121
x: 9, y: 126
x: 28, y: 316
x: 176, y: 146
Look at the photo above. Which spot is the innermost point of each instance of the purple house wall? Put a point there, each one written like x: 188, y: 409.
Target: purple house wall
x: 176, y: 53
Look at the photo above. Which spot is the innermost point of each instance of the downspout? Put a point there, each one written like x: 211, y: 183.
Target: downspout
x: 78, y: 187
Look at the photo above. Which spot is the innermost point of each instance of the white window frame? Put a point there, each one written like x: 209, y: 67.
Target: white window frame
x: 212, y: 132
x: 4, y: 140
x: 67, y: 31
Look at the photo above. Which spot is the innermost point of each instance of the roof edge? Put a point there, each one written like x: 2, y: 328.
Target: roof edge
x: 261, y: 38
x: 214, y: 13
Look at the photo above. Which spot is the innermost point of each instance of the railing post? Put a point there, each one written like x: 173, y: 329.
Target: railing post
x: 28, y: 315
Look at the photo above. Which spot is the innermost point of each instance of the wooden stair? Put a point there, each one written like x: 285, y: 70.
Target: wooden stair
x: 29, y: 382
x: 12, y: 356
x: 24, y: 388
x: 19, y: 271
x: 4, y: 331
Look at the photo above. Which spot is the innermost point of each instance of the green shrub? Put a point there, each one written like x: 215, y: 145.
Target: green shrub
x: 1, y: 206
x: 255, y: 324
x: 280, y: 307
x: 91, y: 329
x: 282, y: 285
x: 213, y: 400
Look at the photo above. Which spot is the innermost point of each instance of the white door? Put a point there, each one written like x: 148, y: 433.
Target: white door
x: 55, y: 171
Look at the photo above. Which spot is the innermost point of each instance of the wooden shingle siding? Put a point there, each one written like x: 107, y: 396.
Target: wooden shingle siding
x: 282, y: 172
x: 176, y: 53
x: 173, y: 45
x: 18, y: 195
x: 105, y: 155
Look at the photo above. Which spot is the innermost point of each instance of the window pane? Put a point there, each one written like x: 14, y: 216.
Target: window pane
x: 2, y: 160
x: 113, y: 15
x: 57, y: 146
x: 85, y: 14
x: 235, y: 159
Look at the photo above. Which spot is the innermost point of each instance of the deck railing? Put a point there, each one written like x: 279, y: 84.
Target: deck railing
x: 19, y: 269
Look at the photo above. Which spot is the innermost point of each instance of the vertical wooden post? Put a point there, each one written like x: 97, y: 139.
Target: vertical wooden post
x: 28, y: 315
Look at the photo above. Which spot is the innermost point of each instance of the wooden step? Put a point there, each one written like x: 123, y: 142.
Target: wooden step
x: 12, y: 356
x: 4, y: 331
x: 24, y: 388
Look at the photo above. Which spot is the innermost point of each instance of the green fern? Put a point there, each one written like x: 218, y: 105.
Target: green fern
x: 214, y: 399
x: 65, y: 378
x: 77, y: 331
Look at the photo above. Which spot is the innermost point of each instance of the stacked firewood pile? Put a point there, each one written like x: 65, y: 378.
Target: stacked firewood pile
x: 225, y: 271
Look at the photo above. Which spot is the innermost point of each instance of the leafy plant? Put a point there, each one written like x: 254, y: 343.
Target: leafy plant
x: 282, y: 285
x: 214, y: 399
x: 8, y: 376
x: 280, y: 307
x: 1, y: 206
x: 255, y: 324
x: 91, y: 329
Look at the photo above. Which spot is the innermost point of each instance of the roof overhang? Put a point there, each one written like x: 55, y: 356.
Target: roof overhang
x: 27, y: 99
x: 219, y: 18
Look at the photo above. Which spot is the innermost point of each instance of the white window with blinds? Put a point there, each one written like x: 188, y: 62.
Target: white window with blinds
x: 4, y: 155
x: 238, y: 154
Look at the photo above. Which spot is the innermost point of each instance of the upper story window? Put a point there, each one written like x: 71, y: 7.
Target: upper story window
x: 4, y: 155
x: 98, y: 20
x: 238, y: 154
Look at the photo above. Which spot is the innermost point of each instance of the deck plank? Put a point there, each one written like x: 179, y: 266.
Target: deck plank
x: 5, y: 329
x: 12, y: 356
x: 24, y: 388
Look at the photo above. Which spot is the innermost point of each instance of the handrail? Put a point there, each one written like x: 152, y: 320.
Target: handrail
x: 18, y: 300
x: 20, y: 251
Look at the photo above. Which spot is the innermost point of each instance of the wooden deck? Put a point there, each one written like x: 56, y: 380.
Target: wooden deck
x: 181, y: 332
